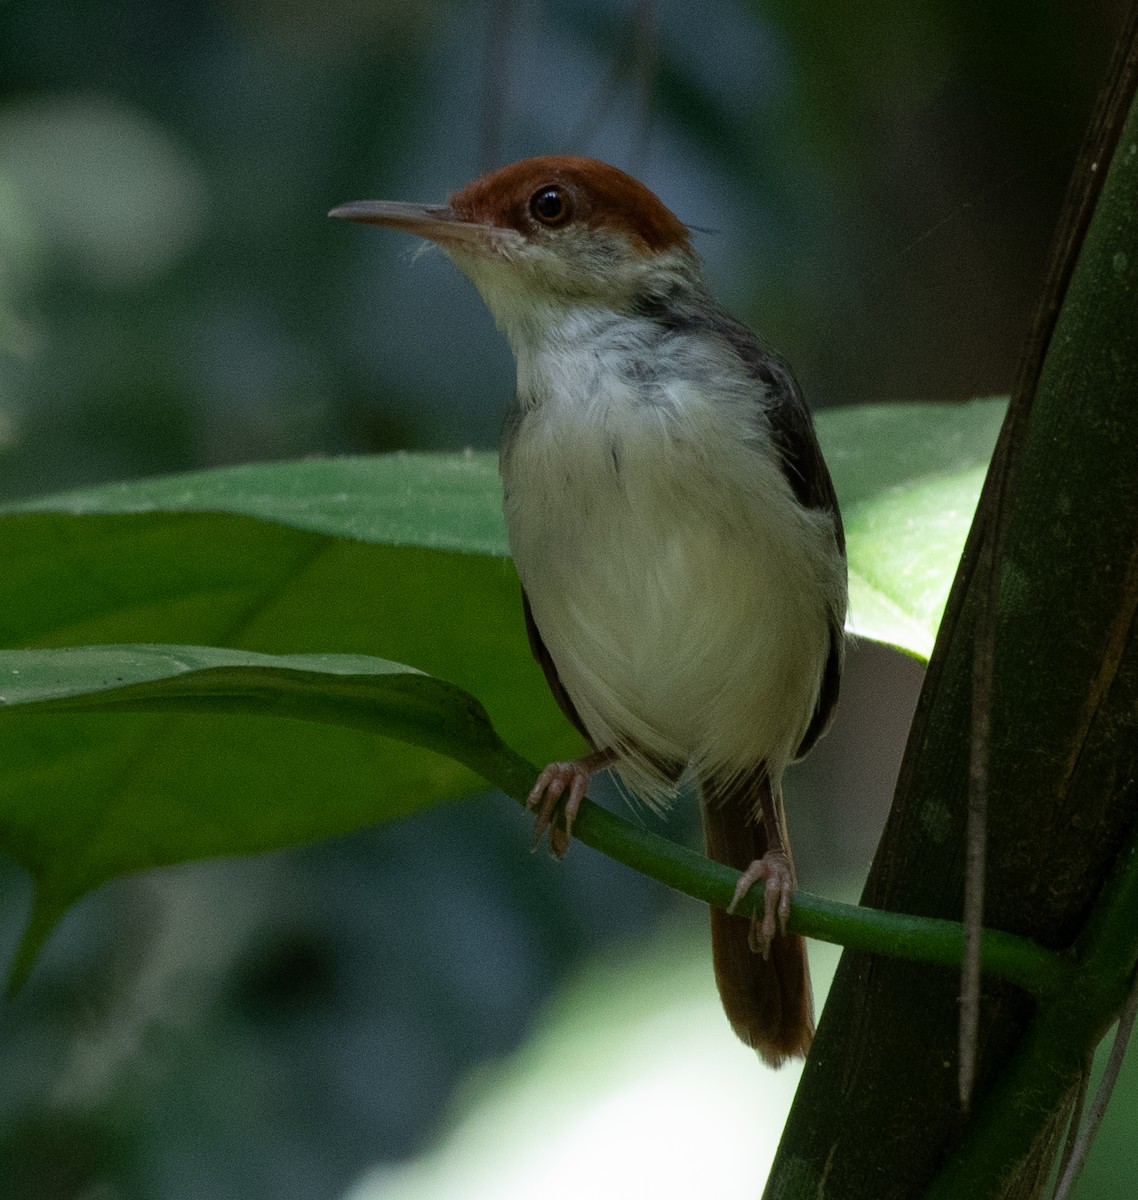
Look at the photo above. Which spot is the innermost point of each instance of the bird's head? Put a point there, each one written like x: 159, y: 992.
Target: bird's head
x: 546, y: 235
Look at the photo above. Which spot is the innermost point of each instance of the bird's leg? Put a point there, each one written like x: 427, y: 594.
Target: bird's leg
x: 546, y: 794
x: 776, y: 870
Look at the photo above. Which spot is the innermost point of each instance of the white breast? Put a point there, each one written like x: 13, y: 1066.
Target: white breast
x: 682, y: 592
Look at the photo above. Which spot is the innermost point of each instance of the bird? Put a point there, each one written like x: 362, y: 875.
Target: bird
x: 674, y: 527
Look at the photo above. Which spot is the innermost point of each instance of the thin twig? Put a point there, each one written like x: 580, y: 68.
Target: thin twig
x: 636, y: 55
x: 976, y: 837
x: 1102, y: 1096
x: 646, y: 70
x: 496, y: 81
x: 990, y: 555
x: 1076, y: 1119
x: 592, y: 119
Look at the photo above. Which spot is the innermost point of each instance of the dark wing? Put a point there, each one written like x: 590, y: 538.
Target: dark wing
x: 828, y: 693
x: 792, y: 425
x: 806, y: 472
x: 537, y: 647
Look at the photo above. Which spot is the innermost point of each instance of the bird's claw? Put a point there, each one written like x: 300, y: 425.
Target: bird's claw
x: 545, y: 798
x: 775, y: 871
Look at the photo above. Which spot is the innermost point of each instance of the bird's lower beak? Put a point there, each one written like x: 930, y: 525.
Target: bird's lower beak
x: 436, y: 222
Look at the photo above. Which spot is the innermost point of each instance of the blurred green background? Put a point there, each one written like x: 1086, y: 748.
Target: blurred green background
x: 874, y: 186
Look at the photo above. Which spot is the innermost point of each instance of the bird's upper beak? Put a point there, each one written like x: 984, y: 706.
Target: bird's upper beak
x: 438, y: 222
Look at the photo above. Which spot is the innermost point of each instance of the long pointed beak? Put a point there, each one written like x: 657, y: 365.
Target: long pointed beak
x: 437, y: 222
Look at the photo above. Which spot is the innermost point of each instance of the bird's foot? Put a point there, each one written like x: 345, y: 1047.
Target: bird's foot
x: 548, y: 794
x: 777, y: 874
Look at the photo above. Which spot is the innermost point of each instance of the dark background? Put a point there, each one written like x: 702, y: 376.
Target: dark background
x: 875, y: 187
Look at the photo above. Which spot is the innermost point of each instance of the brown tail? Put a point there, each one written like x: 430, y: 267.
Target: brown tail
x: 768, y: 1001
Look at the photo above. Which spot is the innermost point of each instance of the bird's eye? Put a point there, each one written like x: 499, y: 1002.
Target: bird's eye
x: 551, y: 206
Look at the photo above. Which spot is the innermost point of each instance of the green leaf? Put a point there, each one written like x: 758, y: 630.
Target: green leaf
x: 908, y: 477
x: 227, y: 783
x: 187, y: 560
x: 361, y: 560
x: 437, y: 501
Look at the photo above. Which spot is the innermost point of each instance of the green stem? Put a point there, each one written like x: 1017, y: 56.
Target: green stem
x: 924, y: 939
